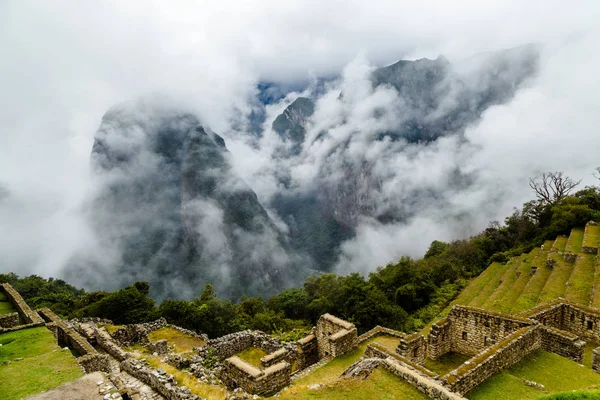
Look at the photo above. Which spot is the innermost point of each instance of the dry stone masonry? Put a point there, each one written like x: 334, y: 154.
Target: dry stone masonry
x: 27, y: 317
x: 335, y: 336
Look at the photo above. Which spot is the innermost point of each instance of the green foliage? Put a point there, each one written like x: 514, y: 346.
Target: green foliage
x: 577, y: 395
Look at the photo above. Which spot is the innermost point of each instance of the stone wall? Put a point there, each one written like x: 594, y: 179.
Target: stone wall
x: 563, y: 343
x: 494, y: 359
x: 271, y: 359
x: 596, y: 359
x: 106, y: 342
x: 378, y: 351
x: 9, y: 320
x: 158, y: 380
x: 438, y: 340
x: 335, y: 336
x: 307, y: 351
x: 161, y: 347
x: 229, y: 345
x: 423, y: 383
x: 89, y: 358
x: 473, y: 329
x: 574, y: 318
x: 65, y: 335
x: 379, y: 331
x: 237, y: 373
x: 27, y: 314
x: 94, y: 362
x: 413, y: 347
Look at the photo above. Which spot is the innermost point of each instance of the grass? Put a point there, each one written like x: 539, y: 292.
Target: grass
x: 556, y: 283
x: 3, y: 296
x: 575, y: 242
x: 577, y: 395
x: 509, y: 277
x: 531, y: 293
x: 389, y: 342
x: 492, y: 285
x: 183, y: 378
x: 446, y: 363
x: 44, y: 366
x: 182, y: 342
x: 587, y: 354
x: 252, y: 355
x: 112, y: 328
x: 381, y: 384
x: 592, y: 236
x: 556, y: 373
x: 560, y: 243
x: 6, y: 308
x: 506, y: 302
x: 581, y: 280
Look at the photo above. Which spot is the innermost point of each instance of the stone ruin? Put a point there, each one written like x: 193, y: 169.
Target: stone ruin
x: 331, y: 338
x: 23, y: 318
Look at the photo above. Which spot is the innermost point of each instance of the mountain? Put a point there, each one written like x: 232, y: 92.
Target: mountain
x: 172, y: 211
x: 438, y: 99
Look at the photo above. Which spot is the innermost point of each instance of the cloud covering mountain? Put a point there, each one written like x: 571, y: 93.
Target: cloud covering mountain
x: 67, y: 64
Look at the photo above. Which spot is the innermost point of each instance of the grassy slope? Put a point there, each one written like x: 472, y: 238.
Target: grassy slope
x: 381, y: 384
x: 556, y: 283
x: 581, y: 280
x: 592, y: 236
x: 531, y: 293
x: 575, y: 241
x: 556, y: 373
x: 492, y: 284
x: 44, y: 364
x: 509, y: 277
x: 510, y: 297
x: 182, y: 342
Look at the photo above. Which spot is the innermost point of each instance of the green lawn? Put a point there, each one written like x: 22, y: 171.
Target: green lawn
x: 556, y: 284
x: 252, y: 355
x: 556, y: 373
x: 389, y: 342
x: 181, y: 341
x: 504, y: 285
x: 523, y: 274
x: 44, y: 364
x: 560, y: 243
x: 381, y: 384
x: 6, y: 308
x: 446, y: 363
x: 592, y: 236
x: 529, y: 297
x: 575, y: 241
x: 582, y: 279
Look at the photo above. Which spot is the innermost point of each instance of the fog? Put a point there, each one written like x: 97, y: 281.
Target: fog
x: 65, y: 64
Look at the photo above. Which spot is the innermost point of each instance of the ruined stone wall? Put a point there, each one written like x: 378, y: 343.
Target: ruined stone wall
x: 379, y: 331
x: 238, y: 373
x: 335, y: 336
x: 596, y: 359
x: 106, y: 342
x: 581, y: 321
x: 508, y: 352
x: 563, y: 343
x: 549, y: 314
x: 375, y: 350
x: 158, y: 380
x: 413, y: 347
x: 229, y: 345
x: 94, y: 362
x: 307, y: 351
x: 160, y: 347
x: 438, y: 340
x: 473, y: 329
x: 9, y: 320
x: 65, y: 335
x: 27, y: 314
x: 423, y: 383
x: 271, y: 359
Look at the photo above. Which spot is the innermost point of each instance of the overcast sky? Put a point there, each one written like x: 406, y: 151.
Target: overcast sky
x: 64, y: 63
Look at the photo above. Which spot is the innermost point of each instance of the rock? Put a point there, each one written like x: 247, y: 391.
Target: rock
x: 100, y: 383
x: 315, y: 386
x: 18, y: 359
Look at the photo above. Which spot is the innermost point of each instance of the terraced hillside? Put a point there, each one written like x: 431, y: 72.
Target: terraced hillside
x: 567, y: 267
